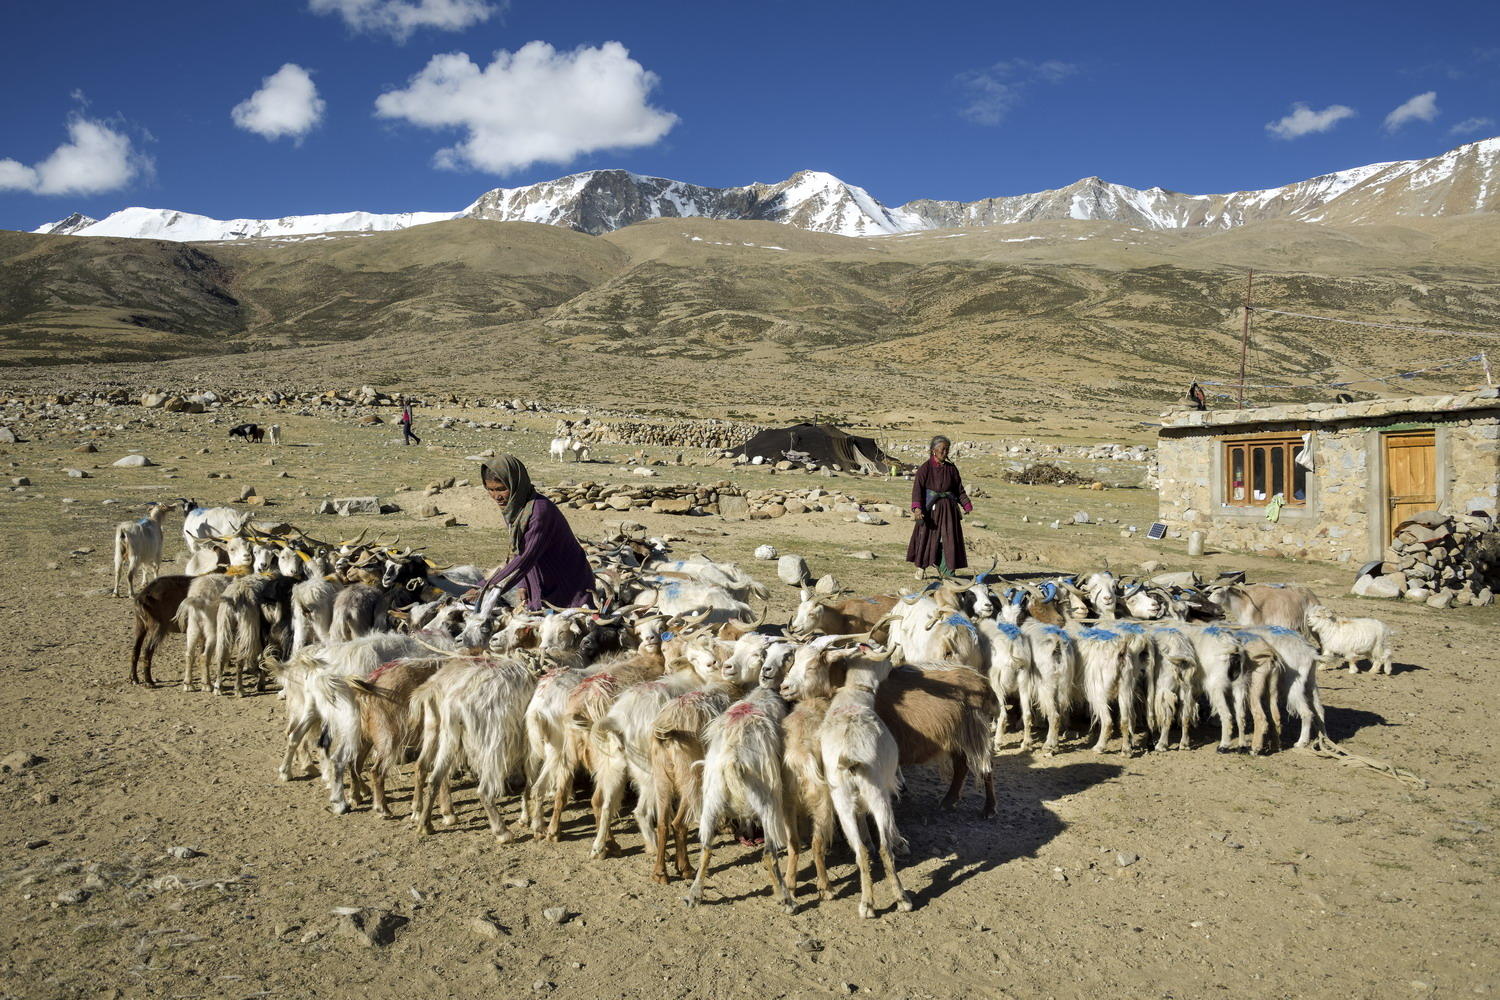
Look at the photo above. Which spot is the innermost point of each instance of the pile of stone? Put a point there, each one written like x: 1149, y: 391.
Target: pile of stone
x: 721, y: 498
x: 1046, y: 474
x: 718, y: 434
x: 1438, y: 560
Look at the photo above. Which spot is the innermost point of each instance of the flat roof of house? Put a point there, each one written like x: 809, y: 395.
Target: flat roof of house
x: 1482, y: 399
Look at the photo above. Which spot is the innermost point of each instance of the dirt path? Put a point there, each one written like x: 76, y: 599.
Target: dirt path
x: 1276, y: 877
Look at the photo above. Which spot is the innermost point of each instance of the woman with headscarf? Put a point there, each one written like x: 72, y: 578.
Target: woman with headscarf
x: 937, y: 493
x: 548, y: 561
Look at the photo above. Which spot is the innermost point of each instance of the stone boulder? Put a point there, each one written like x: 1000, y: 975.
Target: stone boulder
x: 132, y: 462
x: 345, y: 506
x: 792, y: 570
x: 7, y: 436
x: 1382, y: 587
x: 766, y: 552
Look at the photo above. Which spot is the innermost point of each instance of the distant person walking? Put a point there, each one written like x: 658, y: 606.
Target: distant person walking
x: 407, y: 437
x: 937, y: 494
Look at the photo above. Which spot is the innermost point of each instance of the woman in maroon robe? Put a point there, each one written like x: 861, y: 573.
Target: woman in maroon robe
x: 937, y: 493
x: 548, y: 561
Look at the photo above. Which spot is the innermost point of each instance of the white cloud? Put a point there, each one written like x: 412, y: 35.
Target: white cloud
x: 95, y: 158
x: 287, y: 104
x: 1469, y: 126
x: 399, y: 18
x: 993, y: 92
x: 536, y: 105
x: 1422, y: 108
x: 1305, y: 121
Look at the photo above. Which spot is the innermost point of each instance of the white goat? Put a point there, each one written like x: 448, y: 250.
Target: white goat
x: 861, y: 765
x: 742, y: 779
x: 1052, y: 682
x: 138, y: 545
x: 1349, y: 640
x: 1007, y: 655
x: 479, y: 707
x: 1171, y: 690
x: 202, y: 524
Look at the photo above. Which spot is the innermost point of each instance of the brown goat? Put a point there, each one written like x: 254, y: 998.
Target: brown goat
x: 932, y: 711
x: 854, y: 615
x: 806, y: 790
x: 385, y: 731
x: 676, y: 750
x: 155, y: 617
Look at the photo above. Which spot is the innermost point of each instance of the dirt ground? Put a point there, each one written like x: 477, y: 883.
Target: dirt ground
x: 1181, y: 875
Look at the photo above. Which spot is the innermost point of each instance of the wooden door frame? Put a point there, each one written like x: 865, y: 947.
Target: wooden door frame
x: 1380, y: 526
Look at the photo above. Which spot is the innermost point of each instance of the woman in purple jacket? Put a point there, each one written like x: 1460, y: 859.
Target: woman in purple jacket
x: 548, y: 561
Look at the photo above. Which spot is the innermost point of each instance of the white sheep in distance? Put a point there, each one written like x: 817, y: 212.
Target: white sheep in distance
x: 138, y: 545
x: 1349, y: 640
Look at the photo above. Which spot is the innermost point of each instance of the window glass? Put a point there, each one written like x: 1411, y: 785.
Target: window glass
x: 1278, y: 470
x: 1258, y: 473
x: 1237, y: 475
x: 1299, y: 483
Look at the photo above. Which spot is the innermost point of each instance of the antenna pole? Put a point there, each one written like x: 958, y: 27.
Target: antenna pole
x: 1245, y: 336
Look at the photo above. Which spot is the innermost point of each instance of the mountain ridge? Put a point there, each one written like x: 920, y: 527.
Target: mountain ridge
x: 1462, y: 180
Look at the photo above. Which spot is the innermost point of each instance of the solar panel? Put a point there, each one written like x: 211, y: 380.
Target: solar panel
x: 1158, y: 530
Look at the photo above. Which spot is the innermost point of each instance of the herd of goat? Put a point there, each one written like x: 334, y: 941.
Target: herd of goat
x: 675, y: 691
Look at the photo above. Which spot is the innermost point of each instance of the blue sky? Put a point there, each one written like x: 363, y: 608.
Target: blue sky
x: 909, y: 100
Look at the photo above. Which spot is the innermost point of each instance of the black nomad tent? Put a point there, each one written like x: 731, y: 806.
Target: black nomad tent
x: 821, y: 444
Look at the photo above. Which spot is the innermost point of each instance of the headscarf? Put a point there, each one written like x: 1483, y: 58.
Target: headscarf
x: 508, y: 471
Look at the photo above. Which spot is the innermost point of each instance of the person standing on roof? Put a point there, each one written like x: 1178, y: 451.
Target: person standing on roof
x: 547, y: 560
x: 937, y: 494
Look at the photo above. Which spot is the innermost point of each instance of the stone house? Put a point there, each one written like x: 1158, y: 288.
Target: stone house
x: 1328, y: 481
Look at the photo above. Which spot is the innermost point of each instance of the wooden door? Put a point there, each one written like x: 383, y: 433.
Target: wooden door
x: 1410, y: 476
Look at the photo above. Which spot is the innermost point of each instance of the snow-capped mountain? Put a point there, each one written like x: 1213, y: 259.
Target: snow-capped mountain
x: 1461, y: 181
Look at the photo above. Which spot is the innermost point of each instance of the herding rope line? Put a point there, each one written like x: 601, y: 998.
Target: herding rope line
x: 1382, y: 326
x: 1363, y: 381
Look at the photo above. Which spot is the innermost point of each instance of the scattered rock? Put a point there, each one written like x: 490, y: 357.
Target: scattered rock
x: 77, y: 474
x: 486, y: 926
x: 1081, y: 517
x: 19, y: 481
x: 864, y: 517
x: 247, y: 493
x: 1125, y: 859
x: 132, y: 462
x: 1376, y: 586
x: 428, y: 510
x: 345, y: 506
x: 32, y: 845
x: 556, y: 914
x: 370, y: 927
x: 7, y: 436
x: 641, y: 470
x: 85, y: 449
x: 21, y: 760
x: 811, y: 945
x: 862, y: 554
x: 71, y: 897
x: 370, y: 420
x: 1442, y: 600
x: 184, y: 853
x: 792, y: 570
x: 765, y: 552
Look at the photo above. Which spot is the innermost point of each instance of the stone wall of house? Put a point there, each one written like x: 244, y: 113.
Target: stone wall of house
x: 1341, y: 519
x: 1473, y: 469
